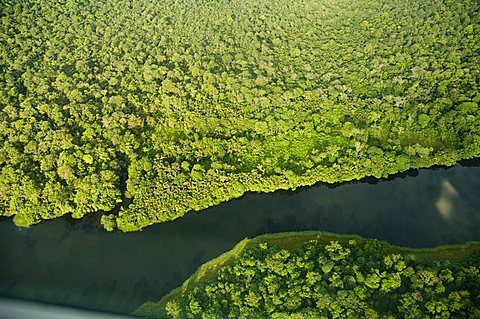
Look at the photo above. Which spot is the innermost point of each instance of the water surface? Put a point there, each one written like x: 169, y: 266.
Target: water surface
x: 77, y: 264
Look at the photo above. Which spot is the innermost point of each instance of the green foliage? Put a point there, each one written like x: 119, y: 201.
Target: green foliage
x: 108, y: 222
x: 350, y: 279
x: 197, y: 102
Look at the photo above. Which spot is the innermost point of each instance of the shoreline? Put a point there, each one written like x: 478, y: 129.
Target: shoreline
x: 294, y: 240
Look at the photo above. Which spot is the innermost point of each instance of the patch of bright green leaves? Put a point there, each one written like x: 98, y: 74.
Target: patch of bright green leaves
x: 197, y: 102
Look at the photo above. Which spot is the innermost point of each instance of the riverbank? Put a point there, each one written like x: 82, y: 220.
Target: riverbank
x: 401, y: 211
x: 293, y: 242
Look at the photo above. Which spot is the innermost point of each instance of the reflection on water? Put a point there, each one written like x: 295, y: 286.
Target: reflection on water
x: 446, y: 203
x: 77, y: 264
x: 15, y: 309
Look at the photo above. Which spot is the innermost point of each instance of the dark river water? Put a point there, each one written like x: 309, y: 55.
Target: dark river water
x: 77, y: 264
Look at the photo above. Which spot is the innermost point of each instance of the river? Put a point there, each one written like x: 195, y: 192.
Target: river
x: 77, y: 264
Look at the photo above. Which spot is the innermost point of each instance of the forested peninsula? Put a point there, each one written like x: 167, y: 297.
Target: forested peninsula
x: 157, y: 108
x: 320, y: 275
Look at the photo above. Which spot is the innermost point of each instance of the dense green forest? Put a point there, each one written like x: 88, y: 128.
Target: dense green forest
x: 163, y: 107
x: 314, y: 275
